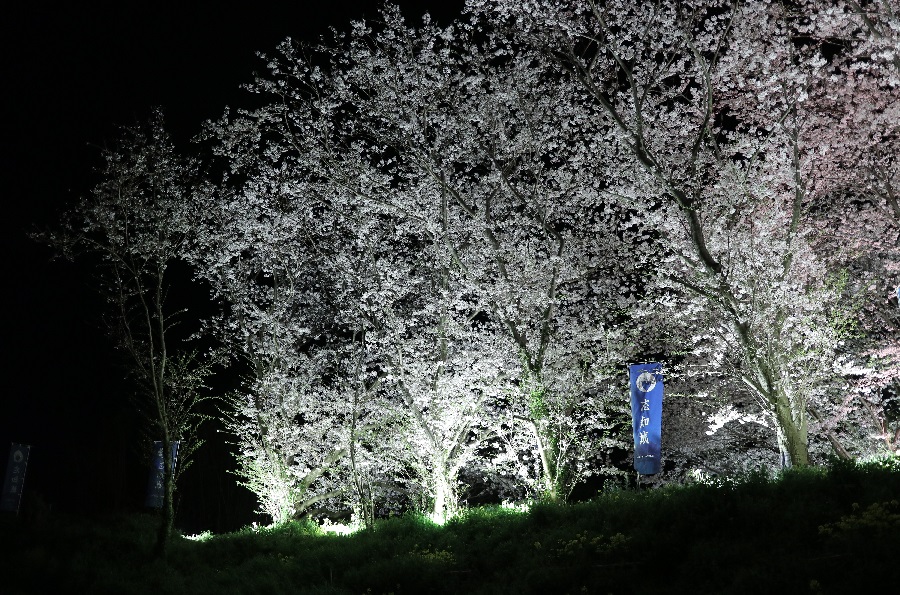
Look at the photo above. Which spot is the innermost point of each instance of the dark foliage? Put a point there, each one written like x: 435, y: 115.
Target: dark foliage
x: 808, y: 530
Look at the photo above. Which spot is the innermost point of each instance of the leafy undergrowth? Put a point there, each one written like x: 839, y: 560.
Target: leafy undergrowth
x: 833, y: 530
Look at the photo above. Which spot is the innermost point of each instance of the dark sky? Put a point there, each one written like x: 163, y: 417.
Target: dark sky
x: 71, y: 76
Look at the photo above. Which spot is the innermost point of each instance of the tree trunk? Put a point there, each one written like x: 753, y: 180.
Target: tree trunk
x: 793, y: 440
x: 167, y: 514
x: 551, y: 488
x: 445, y: 503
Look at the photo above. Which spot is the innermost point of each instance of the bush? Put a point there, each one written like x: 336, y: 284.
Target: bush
x: 819, y: 530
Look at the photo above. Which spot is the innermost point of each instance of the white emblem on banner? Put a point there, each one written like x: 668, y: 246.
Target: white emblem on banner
x: 645, y: 382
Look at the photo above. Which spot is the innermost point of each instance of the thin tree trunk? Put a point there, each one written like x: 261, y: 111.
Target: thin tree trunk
x: 167, y: 514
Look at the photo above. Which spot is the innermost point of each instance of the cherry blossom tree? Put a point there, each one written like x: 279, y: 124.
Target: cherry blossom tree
x: 706, y: 108
x: 856, y: 100
x: 409, y: 193
x: 270, y: 247
x: 352, y: 273
x: 134, y: 226
x: 495, y: 179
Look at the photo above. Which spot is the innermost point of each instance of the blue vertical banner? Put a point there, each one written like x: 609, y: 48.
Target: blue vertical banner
x: 646, y: 381
x: 156, y: 485
x: 15, y: 477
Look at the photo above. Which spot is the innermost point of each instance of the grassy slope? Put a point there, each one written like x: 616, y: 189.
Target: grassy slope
x: 809, y: 531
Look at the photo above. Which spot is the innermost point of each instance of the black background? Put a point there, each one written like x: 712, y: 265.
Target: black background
x: 71, y: 76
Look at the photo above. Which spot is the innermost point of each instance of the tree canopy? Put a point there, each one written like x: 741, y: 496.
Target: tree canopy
x: 436, y: 249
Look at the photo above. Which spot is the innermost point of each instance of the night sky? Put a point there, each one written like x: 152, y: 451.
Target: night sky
x: 71, y: 77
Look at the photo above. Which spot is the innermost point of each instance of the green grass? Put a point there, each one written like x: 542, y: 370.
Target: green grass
x: 834, y: 530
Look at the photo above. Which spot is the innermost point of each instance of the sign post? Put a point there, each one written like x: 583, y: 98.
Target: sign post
x: 15, y: 477
x: 646, y: 384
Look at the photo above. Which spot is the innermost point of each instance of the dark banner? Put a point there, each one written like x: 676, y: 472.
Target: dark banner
x: 156, y: 487
x: 15, y: 477
x: 646, y: 414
